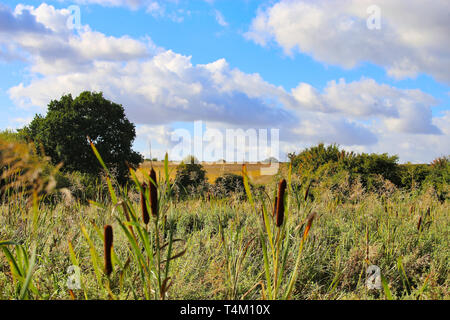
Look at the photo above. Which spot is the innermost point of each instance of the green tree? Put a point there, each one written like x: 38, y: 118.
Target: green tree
x: 190, y: 178
x: 320, y: 160
x: 62, y: 134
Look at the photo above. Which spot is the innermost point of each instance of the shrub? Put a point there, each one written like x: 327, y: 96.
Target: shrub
x: 190, y: 179
x: 229, y: 184
x: 323, y: 161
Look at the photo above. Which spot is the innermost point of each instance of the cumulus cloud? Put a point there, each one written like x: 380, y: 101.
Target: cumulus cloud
x: 413, y: 37
x: 401, y: 110
x: 19, y: 22
x: 54, y: 48
x: 166, y: 88
x: 158, y: 87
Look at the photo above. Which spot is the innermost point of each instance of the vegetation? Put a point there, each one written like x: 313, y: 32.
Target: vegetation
x: 311, y: 233
x: 190, y: 178
x: 371, y: 170
x: 62, y: 134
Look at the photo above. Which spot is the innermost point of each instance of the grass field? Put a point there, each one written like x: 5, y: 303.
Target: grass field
x: 214, y: 170
x: 225, y: 248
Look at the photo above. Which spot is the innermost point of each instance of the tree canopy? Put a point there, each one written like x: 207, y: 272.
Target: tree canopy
x: 62, y: 134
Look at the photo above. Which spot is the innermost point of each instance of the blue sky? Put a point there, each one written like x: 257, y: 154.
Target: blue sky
x: 312, y: 69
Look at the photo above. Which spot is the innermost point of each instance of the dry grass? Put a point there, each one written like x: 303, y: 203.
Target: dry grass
x: 215, y: 170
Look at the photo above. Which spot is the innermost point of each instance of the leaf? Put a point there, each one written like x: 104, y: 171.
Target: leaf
x: 26, y: 284
x: 111, y: 191
x: 97, y: 155
x: 386, y: 289
x: 73, y: 257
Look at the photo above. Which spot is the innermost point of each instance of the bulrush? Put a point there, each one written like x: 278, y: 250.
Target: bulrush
x: 145, y: 216
x: 280, y: 202
x: 311, y: 218
x: 419, y: 224
x: 307, y: 191
x: 108, y: 242
x: 153, y: 194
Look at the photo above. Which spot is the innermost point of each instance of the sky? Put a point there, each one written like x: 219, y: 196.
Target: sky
x: 369, y: 75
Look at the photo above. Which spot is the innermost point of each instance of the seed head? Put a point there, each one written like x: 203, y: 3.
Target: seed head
x: 311, y: 218
x: 307, y: 191
x: 153, y: 193
x: 108, y: 242
x: 419, y: 223
x: 145, y: 216
x: 280, y: 202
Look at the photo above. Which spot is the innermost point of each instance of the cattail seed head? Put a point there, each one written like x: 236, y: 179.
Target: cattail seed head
x: 311, y: 218
x: 108, y: 242
x: 419, y: 224
x: 307, y: 191
x: 280, y: 202
x: 145, y: 216
x: 153, y: 194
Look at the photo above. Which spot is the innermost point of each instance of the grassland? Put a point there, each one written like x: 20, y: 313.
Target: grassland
x: 215, y: 170
x: 227, y: 248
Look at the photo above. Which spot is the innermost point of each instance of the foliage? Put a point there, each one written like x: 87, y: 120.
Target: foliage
x: 190, y: 179
x: 62, y: 134
x: 319, y: 159
x: 228, y: 184
x: 22, y: 170
x: 228, y: 248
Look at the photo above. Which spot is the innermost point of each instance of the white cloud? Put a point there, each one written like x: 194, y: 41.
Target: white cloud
x: 401, y: 110
x: 220, y: 18
x: 158, y: 87
x: 54, y: 48
x: 413, y: 37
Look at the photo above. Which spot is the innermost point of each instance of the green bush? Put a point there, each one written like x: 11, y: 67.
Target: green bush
x: 190, y: 180
x: 227, y: 185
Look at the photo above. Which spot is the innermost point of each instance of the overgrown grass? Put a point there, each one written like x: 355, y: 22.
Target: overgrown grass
x: 227, y: 248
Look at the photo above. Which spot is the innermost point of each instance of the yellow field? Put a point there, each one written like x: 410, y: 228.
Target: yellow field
x: 214, y: 170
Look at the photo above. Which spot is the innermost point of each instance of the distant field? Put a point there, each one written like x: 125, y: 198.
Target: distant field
x: 214, y: 170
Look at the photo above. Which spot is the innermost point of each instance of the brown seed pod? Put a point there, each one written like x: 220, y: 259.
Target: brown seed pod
x: 145, y: 216
x: 108, y: 242
x: 280, y: 202
x: 311, y: 218
x: 307, y: 191
x: 419, y: 224
x: 153, y: 194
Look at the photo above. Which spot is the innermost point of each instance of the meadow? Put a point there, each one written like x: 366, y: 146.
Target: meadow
x: 138, y: 242
x: 215, y: 170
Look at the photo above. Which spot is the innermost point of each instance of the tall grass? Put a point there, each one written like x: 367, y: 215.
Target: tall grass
x: 224, y: 248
